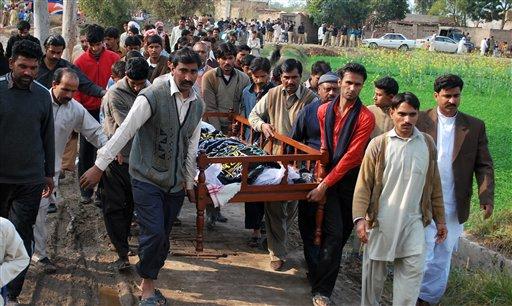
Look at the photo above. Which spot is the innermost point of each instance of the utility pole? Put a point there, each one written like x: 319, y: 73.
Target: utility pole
x: 41, y: 20
x: 69, y: 27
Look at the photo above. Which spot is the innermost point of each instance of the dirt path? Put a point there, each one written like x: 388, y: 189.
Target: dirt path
x: 240, y: 276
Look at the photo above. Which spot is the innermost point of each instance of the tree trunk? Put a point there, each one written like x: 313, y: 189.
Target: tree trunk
x: 41, y: 20
x: 69, y: 27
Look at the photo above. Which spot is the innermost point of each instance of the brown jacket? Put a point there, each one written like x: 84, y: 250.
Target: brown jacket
x: 470, y: 155
x: 160, y: 69
x: 369, y: 184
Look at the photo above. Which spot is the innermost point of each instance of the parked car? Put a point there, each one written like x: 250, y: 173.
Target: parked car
x: 390, y: 40
x: 441, y: 44
x: 456, y: 35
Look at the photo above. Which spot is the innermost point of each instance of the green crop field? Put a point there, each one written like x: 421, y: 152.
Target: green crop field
x: 487, y: 94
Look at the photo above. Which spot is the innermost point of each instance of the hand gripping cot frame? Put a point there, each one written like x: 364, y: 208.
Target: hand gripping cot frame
x: 261, y: 193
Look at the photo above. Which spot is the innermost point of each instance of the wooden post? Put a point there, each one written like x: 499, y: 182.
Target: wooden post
x: 201, y: 197
x: 41, y: 20
x: 69, y: 27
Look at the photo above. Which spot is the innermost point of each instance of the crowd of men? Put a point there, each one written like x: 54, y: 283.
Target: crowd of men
x: 401, y: 177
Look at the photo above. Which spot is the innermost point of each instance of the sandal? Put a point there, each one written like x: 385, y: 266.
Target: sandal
x: 157, y: 299
x: 254, y: 242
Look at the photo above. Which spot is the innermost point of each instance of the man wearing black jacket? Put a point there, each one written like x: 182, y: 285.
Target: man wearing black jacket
x: 23, y: 33
x: 27, y: 146
x: 54, y: 47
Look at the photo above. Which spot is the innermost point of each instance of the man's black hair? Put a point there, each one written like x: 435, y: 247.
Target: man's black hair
x: 248, y: 60
x: 27, y: 48
x: 132, y: 41
x: 55, y: 40
x: 182, y: 41
x: 95, y: 33
x: 137, y: 69
x: 405, y: 97
x: 133, y: 54
x: 243, y: 47
x: 134, y: 30
x: 448, y: 81
x: 354, y: 68
x: 185, y: 56
x: 23, y: 25
x: 149, y: 27
x: 183, y: 18
x: 60, y: 72
x: 118, y: 68
x: 320, y: 68
x: 225, y: 49
x: 291, y: 64
x: 185, y: 32
x: 112, y: 32
x: 276, y: 73
x: 388, y: 84
x: 154, y: 39
x: 260, y: 64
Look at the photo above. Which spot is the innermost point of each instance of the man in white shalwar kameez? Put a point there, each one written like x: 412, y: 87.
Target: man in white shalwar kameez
x: 397, y: 194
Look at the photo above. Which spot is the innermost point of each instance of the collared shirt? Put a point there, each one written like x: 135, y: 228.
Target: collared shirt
x: 400, y: 230
x: 138, y: 115
x: 13, y: 255
x: 69, y: 117
x: 445, y: 143
x: 360, y: 137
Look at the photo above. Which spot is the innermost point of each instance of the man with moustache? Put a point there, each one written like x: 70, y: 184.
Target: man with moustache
x: 345, y: 128
x: 69, y: 116
x: 463, y: 152
x: 275, y: 113
x: 165, y: 121
x: 398, y: 193
x: 307, y: 130
x: 54, y: 46
x: 27, y: 147
x: 117, y: 196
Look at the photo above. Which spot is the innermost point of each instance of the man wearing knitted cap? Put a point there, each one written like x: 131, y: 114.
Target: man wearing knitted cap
x: 307, y: 130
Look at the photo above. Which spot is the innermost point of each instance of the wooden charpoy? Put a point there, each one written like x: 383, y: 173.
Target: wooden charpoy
x: 300, y: 154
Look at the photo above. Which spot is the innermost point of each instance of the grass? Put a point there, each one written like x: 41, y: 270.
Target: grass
x: 487, y: 95
x: 478, y: 288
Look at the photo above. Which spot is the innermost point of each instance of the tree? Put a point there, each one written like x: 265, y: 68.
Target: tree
x: 490, y: 10
x: 385, y: 10
x: 41, y: 19
x: 106, y: 12
x: 423, y: 6
x: 348, y: 12
x: 69, y: 27
x: 171, y: 9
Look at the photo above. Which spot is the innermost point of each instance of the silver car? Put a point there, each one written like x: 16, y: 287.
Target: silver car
x: 390, y: 40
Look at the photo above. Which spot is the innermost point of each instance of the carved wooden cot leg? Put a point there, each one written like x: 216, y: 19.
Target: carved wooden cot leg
x: 201, y: 198
x: 319, y: 219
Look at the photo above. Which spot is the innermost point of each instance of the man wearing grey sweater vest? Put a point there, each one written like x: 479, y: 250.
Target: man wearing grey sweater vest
x: 165, y: 120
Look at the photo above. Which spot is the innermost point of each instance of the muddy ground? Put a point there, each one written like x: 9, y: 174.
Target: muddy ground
x: 231, y: 273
